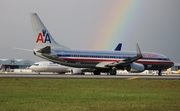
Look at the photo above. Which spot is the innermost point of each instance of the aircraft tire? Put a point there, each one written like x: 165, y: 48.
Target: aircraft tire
x: 82, y: 73
x: 159, y: 73
x: 97, y: 72
x: 113, y: 72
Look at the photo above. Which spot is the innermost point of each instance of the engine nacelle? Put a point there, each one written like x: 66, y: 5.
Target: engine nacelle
x: 76, y: 71
x: 136, y: 68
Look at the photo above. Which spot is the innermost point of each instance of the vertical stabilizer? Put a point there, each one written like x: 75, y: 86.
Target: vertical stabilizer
x: 42, y: 37
x: 118, y: 48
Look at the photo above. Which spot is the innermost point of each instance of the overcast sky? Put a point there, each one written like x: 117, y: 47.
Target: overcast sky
x: 93, y: 24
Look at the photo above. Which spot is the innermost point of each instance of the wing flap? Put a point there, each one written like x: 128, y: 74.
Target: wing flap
x: 102, y: 65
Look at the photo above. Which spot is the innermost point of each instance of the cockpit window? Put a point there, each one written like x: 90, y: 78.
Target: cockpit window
x: 168, y: 59
x: 51, y: 63
x: 36, y: 64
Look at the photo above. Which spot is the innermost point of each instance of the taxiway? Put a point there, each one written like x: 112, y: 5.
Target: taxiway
x: 88, y: 76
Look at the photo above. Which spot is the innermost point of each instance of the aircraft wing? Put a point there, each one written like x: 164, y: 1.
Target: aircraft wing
x: 102, y: 65
x: 127, y: 61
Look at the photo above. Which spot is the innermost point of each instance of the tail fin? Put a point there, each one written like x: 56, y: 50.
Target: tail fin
x: 118, y: 48
x: 41, y: 34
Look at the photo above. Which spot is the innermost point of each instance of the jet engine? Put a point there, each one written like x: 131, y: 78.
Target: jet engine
x: 76, y: 71
x: 135, y: 68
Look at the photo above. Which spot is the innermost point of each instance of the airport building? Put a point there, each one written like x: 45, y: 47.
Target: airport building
x: 176, y: 67
x: 8, y: 64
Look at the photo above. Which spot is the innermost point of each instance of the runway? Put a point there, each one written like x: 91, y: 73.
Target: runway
x: 88, y: 76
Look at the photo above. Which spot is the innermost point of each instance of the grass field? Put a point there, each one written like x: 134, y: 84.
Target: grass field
x: 23, y: 94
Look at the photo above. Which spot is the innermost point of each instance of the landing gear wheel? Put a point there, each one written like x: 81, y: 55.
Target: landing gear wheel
x: 82, y: 73
x: 112, y: 72
x: 96, y: 72
x: 159, y: 73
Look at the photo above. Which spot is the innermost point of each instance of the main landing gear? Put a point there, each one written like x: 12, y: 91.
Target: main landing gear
x: 112, y: 71
x: 97, y: 72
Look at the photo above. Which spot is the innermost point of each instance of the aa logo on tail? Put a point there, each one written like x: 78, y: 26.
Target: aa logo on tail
x: 43, y: 37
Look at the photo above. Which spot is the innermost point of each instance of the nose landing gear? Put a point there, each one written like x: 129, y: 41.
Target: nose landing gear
x: 159, y: 73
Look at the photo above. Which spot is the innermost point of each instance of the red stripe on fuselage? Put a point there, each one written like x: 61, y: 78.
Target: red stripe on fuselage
x: 154, y: 62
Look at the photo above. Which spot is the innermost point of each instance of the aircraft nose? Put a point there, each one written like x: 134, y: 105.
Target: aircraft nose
x: 171, y: 64
x: 30, y: 67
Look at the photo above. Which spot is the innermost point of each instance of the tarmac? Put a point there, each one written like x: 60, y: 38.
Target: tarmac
x: 129, y: 76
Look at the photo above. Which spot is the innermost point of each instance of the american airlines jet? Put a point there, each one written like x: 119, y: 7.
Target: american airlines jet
x: 100, y: 61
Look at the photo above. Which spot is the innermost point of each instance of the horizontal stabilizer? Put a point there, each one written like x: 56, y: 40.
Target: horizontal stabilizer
x: 46, y: 49
x: 22, y: 49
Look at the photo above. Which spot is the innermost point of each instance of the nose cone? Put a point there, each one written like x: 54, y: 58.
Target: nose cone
x: 171, y: 64
x: 31, y: 67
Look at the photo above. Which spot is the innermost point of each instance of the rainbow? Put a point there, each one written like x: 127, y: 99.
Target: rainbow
x: 114, y: 27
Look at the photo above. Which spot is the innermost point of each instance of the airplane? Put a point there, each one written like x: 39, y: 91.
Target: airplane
x: 100, y: 61
x: 47, y: 66
x: 168, y: 71
x: 176, y: 72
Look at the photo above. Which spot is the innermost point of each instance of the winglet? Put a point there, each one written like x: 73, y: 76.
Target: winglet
x: 139, y: 54
x: 130, y: 60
